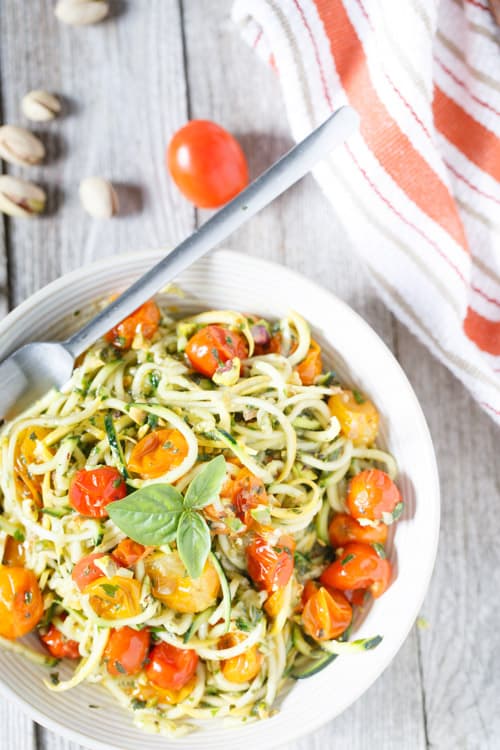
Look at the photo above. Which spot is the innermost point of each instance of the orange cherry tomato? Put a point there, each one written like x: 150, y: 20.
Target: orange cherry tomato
x: 90, y: 490
x: 243, y: 667
x: 326, y: 613
x: 157, y: 696
x: 114, y: 598
x: 212, y: 346
x: 58, y: 645
x: 274, y: 603
x: 128, y: 553
x: 207, y: 164
x: 144, y: 320
x: 172, y: 585
x: 158, y: 452
x: 371, y: 494
x: 13, y: 553
x: 270, y: 566
x: 29, y: 485
x: 358, y: 417
x: 344, y: 528
x: 312, y: 365
x: 21, y: 603
x: 86, y: 571
x: 126, y: 651
x: 171, y: 668
x: 248, y: 492
x: 359, y: 567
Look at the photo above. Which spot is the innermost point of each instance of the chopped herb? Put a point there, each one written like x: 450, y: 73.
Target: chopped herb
x: 347, y: 559
x: 302, y: 563
x: 379, y: 549
x: 93, y: 705
x: 77, y: 313
x: 154, y: 379
x: 243, y: 625
x: 117, y: 483
x: 33, y: 436
x: 358, y: 397
x: 152, y: 420
x: 54, y: 678
x: 118, y: 665
x: 109, y: 589
x: 28, y: 597
x: 137, y: 704
x: 18, y: 536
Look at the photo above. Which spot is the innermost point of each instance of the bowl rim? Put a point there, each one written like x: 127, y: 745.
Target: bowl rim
x: 149, y: 258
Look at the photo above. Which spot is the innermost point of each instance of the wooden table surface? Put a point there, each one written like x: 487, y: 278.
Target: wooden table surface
x: 127, y: 85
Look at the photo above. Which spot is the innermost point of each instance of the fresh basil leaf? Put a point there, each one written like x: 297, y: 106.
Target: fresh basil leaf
x: 193, y: 542
x: 207, y: 484
x: 149, y: 515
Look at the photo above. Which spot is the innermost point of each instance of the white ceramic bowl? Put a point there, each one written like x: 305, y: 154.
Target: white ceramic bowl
x: 229, y: 280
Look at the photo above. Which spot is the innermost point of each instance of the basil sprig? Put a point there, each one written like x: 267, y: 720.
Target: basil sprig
x: 158, y: 513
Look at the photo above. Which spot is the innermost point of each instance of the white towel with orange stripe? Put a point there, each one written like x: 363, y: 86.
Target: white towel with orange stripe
x: 419, y: 187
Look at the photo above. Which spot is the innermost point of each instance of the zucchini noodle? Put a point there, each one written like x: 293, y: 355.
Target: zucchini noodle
x: 286, y: 450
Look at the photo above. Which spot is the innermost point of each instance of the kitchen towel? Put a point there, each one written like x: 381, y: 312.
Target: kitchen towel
x: 419, y: 188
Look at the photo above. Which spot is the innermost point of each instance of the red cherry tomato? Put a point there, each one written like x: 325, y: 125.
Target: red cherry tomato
x: 58, y: 645
x: 171, y: 668
x: 145, y: 320
x: 128, y: 553
x: 86, y: 571
x: 248, y: 492
x: 372, y: 493
x: 270, y: 566
x: 207, y: 164
x: 344, y: 528
x: 213, y: 345
x: 90, y: 490
x: 126, y: 651
x: 326, y: 613
x: 359, y: 567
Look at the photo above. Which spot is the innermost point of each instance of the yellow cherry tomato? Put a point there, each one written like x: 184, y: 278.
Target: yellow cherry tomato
x: 157, y: 696
x: 243, y: 667
x: 172, y: 585
x: 274, y: 602
x: 114, y: 598
x: 358, y: 417
x: 21, y: 603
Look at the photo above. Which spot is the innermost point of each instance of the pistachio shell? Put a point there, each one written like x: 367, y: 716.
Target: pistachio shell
x: 40, y: 106
x: 98, y: 197
x: 20, y: 197
x: 20, y: 146
x: 81, y: 12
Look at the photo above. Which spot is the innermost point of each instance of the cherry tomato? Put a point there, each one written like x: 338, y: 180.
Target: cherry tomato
x: 157, y: 696
x: 13, y: 553
x: 171, y: 668
x: 311, y: 366
x: 126, y: 651
x: 86, y: 571
x: 58, y: 645
x: 90, y: 490
x: 371, y: 494
x: 274, y: 603
x: 344, y: 528
x: 114, y: 598
x: 212, y: 346
x: 172, y: 585
x: 358, y: 417
x: 207, y: 164
x: 158, y: 452
x: 359, y: 567
x: 29, y: 485
x: 270, y: 566
x: 144, y: 320
x: 248, y: 492
x: 128, y: 553
x: 243, y: 667
x: 326, y: 613
x: 21, y: 603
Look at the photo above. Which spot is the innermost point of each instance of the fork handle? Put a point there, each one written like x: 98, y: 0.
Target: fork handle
x: 278, y: 178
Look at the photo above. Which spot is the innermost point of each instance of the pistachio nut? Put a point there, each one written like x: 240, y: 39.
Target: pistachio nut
x: 40, y: 106
x: 20, y: 146
x: 98, y: 197
x: 20, y: 197
x: 81, y: 12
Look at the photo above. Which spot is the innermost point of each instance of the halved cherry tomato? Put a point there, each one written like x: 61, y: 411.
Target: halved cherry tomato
x: 128, y: 553
x: 326, y: 613
x: 248, y: 492
x: 157, y: 696
x: 114, y: 598
x: 344, y: 528
x: 243, y: 667
x: 21, y: 603
x: 212, y: 346
x: 270, y: 566
x: 312, y: 365
x: 358, y: 417
x: 158, y: 452
x: 207, y: 164
x: 126, y: 651
x: 371, y: 494
x: 172, y: 585
x: 27, y: 484
x: 13, y: 553
x: 58, y: 645
x: 86, y: 571
x: 274, y: 603
x: 90, y: 490
x: 359, y: 567
x: 144, y: 320
x: 171, y: 668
